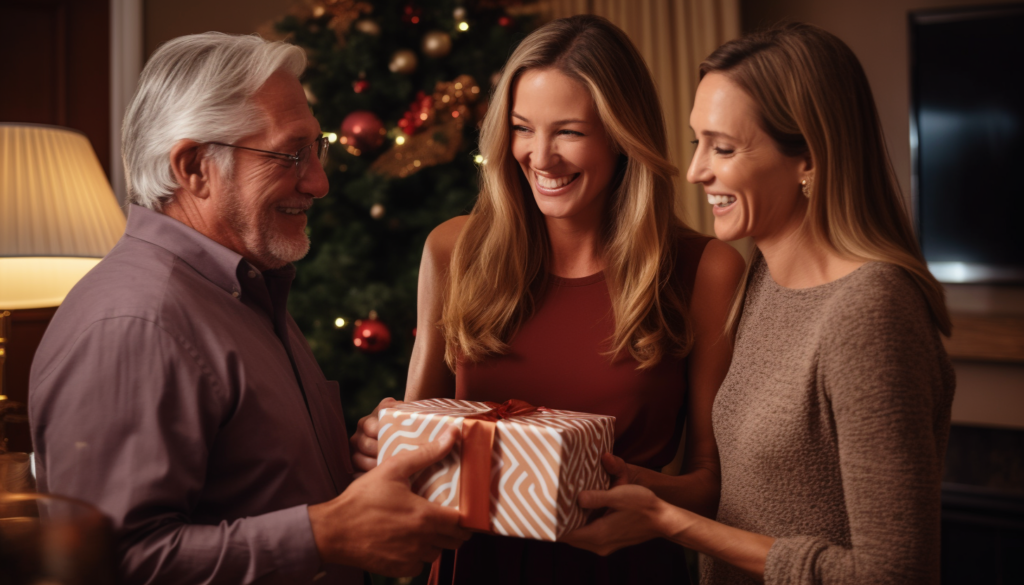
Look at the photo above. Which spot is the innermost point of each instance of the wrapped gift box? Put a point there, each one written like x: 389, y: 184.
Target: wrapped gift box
x: 518, y: 468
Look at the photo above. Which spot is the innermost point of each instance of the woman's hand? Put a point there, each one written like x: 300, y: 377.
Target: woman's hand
x: 635, y: 515
x: 363, y: 444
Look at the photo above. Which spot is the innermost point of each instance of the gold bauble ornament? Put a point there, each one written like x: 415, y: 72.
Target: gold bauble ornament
x: 403, y: 61
x: 377, y: 211
x: 437, y: 44
x: 368, y: 26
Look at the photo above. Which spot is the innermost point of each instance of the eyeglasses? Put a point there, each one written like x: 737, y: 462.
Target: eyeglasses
x: 300, y: 159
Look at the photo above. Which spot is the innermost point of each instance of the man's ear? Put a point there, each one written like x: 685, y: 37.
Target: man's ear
x: 191, y: 168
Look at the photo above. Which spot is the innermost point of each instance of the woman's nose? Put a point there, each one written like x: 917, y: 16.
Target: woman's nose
x: 544, y: 154
x: 699, y: 171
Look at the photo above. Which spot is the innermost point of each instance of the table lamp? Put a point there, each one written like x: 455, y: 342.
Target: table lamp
x: 58, y: 218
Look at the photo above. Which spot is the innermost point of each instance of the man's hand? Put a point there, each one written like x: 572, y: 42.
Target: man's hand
x: 364, y: 442
x: 379, y: 525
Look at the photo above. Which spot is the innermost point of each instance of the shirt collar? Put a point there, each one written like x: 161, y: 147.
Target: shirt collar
x: 213, y: 261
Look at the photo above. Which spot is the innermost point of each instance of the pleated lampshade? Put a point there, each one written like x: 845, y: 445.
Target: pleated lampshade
x: 58, y: 214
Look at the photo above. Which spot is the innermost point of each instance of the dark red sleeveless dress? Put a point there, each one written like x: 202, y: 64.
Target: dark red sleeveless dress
x: 558, y: 360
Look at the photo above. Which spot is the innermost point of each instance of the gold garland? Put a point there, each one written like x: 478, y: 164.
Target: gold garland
x: 439, y: 142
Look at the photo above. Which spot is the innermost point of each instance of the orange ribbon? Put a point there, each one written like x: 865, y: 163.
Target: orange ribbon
x: 477, y: 445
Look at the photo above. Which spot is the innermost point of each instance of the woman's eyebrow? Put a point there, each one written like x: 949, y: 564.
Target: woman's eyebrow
x: 557, y: 122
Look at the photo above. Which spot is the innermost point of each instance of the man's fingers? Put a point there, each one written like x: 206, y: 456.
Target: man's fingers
x: 409, y: 462
x: 362, y: 462
x: 445, y: 521
x: 448, y: 542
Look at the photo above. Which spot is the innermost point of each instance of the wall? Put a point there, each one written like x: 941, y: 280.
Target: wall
x: 167, y: 19
x: 876, y: 30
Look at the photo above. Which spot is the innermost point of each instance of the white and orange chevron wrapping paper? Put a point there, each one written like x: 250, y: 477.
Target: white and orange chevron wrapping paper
x: 539, y: 462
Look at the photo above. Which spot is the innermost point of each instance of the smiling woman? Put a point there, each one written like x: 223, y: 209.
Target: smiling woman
x: 832, y: 422
x: 573, y: 285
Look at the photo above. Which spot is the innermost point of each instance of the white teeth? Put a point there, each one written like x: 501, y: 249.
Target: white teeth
x: 292, y: 210
x: 554, y: 183
x: 721, y: 200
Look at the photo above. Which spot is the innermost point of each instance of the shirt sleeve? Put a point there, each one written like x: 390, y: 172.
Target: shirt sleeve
x: 125, y: 420
x: 890, y: 385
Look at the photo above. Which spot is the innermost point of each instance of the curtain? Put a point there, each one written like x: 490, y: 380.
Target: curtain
x: 673, y: 36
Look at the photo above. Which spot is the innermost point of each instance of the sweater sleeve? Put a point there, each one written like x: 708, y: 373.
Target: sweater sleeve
x: 890, y: 386
x: 125, y: 420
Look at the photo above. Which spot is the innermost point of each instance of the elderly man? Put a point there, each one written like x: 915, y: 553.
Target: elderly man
x: 174, y: 391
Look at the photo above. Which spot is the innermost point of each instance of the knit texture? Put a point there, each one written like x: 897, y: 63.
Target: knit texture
x: 832, y: 425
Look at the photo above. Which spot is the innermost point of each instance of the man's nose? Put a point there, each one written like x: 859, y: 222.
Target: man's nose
x: 313, y: 179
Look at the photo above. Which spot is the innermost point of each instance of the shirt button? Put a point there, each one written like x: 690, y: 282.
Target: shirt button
x: 236, y: 294
x: 252, y: 274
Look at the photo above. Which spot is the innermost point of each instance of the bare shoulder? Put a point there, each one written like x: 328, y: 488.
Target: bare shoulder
x: 441, y: 241
x: 720, y: 268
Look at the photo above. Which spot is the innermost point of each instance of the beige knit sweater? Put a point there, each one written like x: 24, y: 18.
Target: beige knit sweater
x: 832, y: 425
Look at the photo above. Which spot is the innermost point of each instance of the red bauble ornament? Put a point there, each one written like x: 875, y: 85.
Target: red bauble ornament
x: 411, y: 14
x: 362, y: 129
x: 505, y: 21
x: 371, y: 336
x: 420, y: 113
x: 360, y: 86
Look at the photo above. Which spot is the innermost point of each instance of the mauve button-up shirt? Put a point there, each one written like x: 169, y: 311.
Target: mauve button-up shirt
x: 173, y: 391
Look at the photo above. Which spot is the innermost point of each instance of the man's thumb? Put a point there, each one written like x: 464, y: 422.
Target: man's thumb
x: 409, y: 462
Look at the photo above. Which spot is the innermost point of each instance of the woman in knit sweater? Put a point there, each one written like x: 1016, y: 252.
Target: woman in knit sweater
x: 832, y: 421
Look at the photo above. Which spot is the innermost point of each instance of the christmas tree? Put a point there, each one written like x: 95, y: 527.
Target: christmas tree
x: 400, y: 87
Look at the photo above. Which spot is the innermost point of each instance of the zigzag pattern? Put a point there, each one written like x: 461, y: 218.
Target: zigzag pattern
x: 540, y: 462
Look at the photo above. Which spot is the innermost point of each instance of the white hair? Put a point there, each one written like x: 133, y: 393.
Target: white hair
x: 196, y: 87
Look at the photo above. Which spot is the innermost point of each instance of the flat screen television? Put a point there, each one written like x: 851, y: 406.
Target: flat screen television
x: 967, y: 141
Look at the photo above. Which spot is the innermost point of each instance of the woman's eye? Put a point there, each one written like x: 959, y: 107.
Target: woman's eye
x: 719, y: 150
x: 695, y: 142
x: 518, y: 128
x: 570, y: 133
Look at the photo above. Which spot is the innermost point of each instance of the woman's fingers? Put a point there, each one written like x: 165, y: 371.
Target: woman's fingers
x: 591, y: 499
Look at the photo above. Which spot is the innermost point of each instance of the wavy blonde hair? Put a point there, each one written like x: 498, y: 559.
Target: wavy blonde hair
x: 814, y: 98
x: 499, y: 268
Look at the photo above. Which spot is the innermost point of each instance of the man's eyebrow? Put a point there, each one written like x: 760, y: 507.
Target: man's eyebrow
x: 557, y: 122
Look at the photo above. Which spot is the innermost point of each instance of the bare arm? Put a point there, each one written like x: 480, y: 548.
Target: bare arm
x: 698, y: 487
x: 429, y: 376
x: 638, y: 515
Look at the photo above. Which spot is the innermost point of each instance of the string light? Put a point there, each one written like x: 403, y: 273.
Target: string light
x: 400, y: 140
x: 463, y: 26
x: 339, y: 322
x: 332, y: 137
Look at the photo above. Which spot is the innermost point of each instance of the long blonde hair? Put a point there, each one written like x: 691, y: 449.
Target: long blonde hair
x: 814, y: 99
x: 499, y: 268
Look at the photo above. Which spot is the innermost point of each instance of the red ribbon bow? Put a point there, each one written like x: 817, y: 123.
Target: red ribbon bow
x: 477, y: 443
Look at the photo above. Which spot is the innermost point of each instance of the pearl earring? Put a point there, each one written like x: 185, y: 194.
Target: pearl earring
x: 805, y: 188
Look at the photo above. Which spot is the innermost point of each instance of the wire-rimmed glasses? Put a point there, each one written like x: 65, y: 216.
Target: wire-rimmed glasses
x: 300, y: 159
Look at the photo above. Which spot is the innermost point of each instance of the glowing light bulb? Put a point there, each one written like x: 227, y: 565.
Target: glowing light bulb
x: 339, y: 322
x: 463, y: 26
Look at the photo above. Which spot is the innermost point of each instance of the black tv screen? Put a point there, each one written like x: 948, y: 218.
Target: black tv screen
x: 967, y: 141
